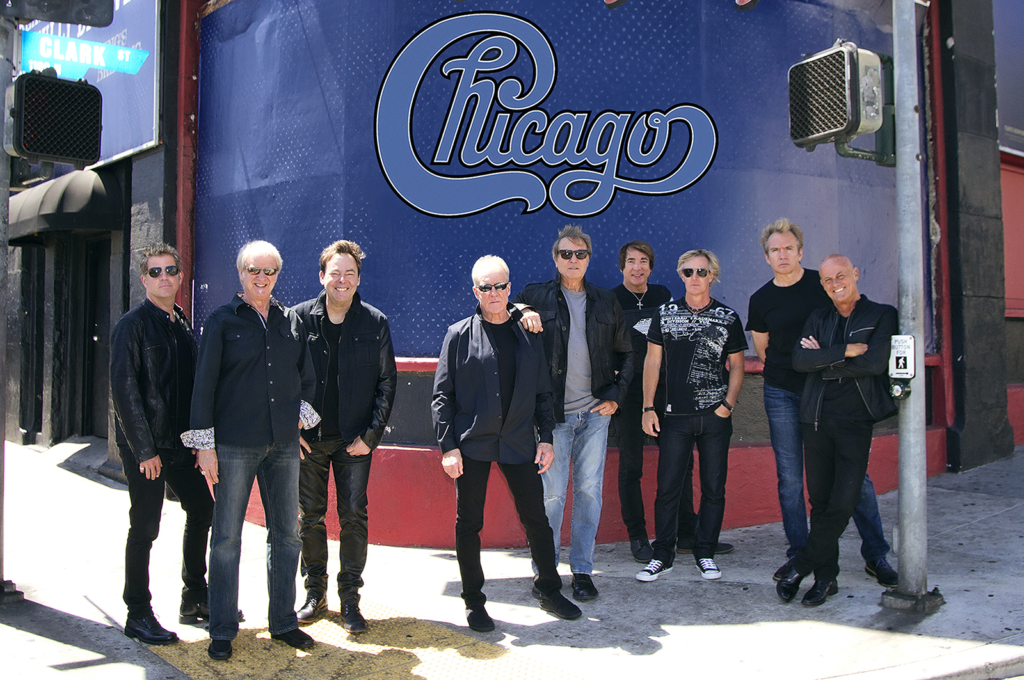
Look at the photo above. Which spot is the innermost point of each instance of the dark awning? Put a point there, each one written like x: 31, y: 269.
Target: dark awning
x: 81, y: 201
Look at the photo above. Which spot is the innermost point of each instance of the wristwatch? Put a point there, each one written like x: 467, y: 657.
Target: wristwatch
x: 648, y: 408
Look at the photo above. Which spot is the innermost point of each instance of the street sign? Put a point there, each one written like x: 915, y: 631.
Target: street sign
x: 901, y: 357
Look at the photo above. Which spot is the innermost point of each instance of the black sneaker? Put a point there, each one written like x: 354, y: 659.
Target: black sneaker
x: 709, y: 571
x: 294, y: 638
x: 883, y: 572
x: 641, y: 549
x: 479, y: 620
x: 653, y: 570
x: 557, y: 605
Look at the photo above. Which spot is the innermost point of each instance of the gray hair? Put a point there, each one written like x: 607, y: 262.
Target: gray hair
x: 254, y: 249
x: 486, y: 263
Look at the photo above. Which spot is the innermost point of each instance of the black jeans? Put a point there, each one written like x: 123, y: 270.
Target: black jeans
x: 835, y: 459
x: 179, y: 472
x: 631, y: 438
x: 351, y: 475
x: 711, y: 434
x: 528, y: 493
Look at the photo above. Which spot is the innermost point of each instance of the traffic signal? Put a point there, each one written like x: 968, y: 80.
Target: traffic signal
x: 49, y: 119
x: 84, y: 12
x: 835, y: 95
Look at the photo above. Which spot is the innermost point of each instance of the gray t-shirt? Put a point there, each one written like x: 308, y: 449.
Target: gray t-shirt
x: 578, y: 396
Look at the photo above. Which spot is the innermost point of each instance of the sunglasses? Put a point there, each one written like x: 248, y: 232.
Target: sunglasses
x: 486, y: 287
x: 688, y: 272
x: 172, y: 270
x: 567, y: 254
x: 269, y: 271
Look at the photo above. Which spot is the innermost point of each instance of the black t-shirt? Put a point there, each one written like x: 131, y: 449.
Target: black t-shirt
x: 842, y: 398
x: 638, y: 313
x: 696, y: 346
x: 781, y: 312
x: 329, y: 412
x: 186, y: 373
x: 504, y: 338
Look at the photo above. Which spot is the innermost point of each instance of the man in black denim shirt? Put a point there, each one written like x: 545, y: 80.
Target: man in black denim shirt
x: 254, y: 381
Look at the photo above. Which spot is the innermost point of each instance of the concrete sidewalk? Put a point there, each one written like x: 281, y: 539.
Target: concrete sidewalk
x: 65, y: 529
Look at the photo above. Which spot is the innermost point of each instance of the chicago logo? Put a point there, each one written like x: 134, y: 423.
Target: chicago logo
x: 495, y: 137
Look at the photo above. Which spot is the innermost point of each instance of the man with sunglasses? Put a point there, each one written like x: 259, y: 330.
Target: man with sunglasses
x: 491, y: 393
x: 775, y: 317
x: 691, y: 340
x: 591, y: 361
x: 350, y: 345
x: 152, y: 367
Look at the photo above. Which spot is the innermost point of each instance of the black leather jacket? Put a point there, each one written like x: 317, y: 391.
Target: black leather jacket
x: 143, y: 380
x: 612, y: 359
x: 367, y: 375
x: 870, y: 322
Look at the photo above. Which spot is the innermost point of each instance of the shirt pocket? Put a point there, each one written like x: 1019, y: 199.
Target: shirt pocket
x: 365, y: 349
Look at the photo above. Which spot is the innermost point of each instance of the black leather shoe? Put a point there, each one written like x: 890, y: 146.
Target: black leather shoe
x: 788, y: 584
x: 819, y: 592
x: 313, y: 609
x: 479, y: 620
x: 219, y: 650
x: 583, y: 588
x: 777, y: 576
x: 557, y: 605
x: 641, y: 549
x: 354, y: 621
x: 295, y: 638
x: 147, y: 629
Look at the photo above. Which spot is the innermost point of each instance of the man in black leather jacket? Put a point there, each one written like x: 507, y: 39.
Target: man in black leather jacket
x: 844, y: 349
x: 350, y: 345
x: 152, y: 366
x: 591, y: 360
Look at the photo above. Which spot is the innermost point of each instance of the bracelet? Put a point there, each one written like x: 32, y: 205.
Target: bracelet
x: 648, y: 408
x: 726, y: 404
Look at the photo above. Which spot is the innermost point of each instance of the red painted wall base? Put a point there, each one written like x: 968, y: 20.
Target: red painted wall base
x: 412, y: 501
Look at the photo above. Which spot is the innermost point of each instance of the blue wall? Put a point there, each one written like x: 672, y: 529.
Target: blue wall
x: 287, y: 147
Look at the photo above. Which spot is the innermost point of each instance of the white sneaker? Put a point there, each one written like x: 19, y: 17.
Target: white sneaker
x: 652, y: 571
x: 709, y: 571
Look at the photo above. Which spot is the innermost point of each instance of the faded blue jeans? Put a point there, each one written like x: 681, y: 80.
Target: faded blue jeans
x: 783, y: 410
x: 581, y: 444
x: 276, y: 468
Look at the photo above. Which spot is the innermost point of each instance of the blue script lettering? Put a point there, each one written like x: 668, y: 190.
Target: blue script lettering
x: 496, y: 126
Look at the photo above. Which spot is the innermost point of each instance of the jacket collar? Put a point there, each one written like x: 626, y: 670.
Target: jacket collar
x: 514, y: 312
x: 148, y: 304
x: 237, y: 301
x: 588, y: 287
x: 319, y: 307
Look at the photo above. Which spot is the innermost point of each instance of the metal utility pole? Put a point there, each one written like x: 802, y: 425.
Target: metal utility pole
x: 912, y: 534
x: 8, y: 30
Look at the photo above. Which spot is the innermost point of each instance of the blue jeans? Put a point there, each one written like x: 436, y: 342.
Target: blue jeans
x: 783, y: 410
x: 679, y: 433
x: 276, y: 468
x: 581, y: 442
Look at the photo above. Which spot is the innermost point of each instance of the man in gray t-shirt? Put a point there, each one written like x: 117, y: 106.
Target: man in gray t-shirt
x: 591, y: 359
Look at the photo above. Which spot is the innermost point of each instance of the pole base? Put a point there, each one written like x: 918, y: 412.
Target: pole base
x: 10, y: 594
x: 921, y: 604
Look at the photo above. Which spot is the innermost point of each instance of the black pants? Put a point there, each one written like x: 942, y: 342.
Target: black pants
x: 631, y: 438
x: 835, y: 459
x: 678, y: 435
x: 179, y: 472
x: 351, y: 475
x: 528, y: 494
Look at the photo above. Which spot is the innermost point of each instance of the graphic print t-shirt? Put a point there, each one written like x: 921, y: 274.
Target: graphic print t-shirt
x: 696, y: 346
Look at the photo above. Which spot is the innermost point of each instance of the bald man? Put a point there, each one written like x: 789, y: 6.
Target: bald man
x: 844, y: 350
